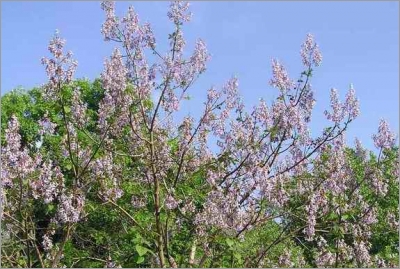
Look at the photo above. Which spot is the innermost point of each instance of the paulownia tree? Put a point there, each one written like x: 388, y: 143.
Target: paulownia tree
x: 108, y: 172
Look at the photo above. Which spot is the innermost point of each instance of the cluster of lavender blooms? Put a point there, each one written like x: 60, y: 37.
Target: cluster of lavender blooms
x: 310, y: 53
x: 16, y: 161
x: 70, y: 207
x: 385, y: 138
x: 259, y: 151
x: 280, y: 78
x: 47, y: 243
x: 49, y: 184
x: 60, y: 69
x: 284, y: 260
x: 78, y: 109
x: 114, y: 83
x: 170, y: 202
x: 46, y: 180
x: 46, y: 126
x: 349, y: 108
x: 107, y: 172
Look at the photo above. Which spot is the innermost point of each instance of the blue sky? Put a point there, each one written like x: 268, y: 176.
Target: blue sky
x: 359, y: 42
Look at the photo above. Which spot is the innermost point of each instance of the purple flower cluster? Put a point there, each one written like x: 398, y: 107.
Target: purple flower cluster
x: 47, y: 242
x: 49, y: 183
x: 46, y: 126
x: 280, y: 78
x: 349, y: 108
x: 60, y: 69
x: 361, y: 250
x: 78, y: 109
x: 171, y: 202
x: 110, y: 26
x: 284, y: 260
x: 385, y: 138
x: 15, y: 159
x: 179, y: 12
x: 317, y: 200
x: 70, y: 207
x: 114, y: 79
x: 107, y: 173
x: 310, y: 53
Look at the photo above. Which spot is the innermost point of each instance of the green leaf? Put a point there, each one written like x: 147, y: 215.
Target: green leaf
x: 141, y: 250
x: 273, y: 132
x: 67, y: 109
x: 237, y: 256
x: 140, y: 260
x: 229, y: 242
x: 50, y: 207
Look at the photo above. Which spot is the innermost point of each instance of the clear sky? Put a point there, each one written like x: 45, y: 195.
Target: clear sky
x: 359, y: 42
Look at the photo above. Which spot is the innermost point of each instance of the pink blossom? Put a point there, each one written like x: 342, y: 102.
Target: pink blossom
x: 170, y: 101
x: 199, y: 57
x: 49, y: 184
x: 60, y: 69
x: 317, y: 200
x: 370, y: 217
x: 56, y: 46
x: 171, y: 202
x: 46, y: 126
x: 310, y: 52
x: 114, y: 75
x: 337, y: 114
x: 107, y: 173
x: 114, y: 79
x: 188, y: 208
x: 380, y: 187
x: 345, y: 251
x: 385, y: 138
x: 134, y: 35
x: 324, y: 258
x: 362, y: 255
x: 263, y: 114
x: 179, y: 12
x: 70, y: 208
x: 380, y: 263
x: 179, y: 42
x: 360, y: 150
x: 138, y: 202
x: 15, y: 160
x: 231, y: 91
x: 110, y: 26
x: 253, y: 164
x: 280, y: 77
x: 351, y: 105
x: 393, y: 221
x: 284, y: 260
x: 47, y: 243
x: 78, y: 108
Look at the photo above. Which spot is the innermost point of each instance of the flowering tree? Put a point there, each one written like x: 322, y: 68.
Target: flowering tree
x: 108, y: 173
